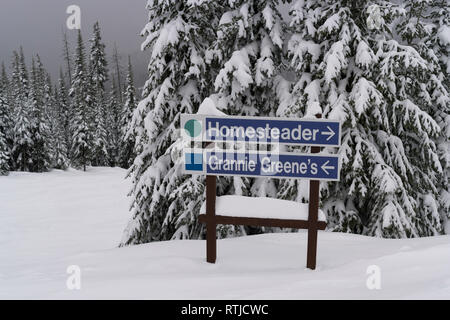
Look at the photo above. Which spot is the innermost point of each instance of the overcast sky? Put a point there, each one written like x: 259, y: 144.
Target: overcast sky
x: 37, y: 25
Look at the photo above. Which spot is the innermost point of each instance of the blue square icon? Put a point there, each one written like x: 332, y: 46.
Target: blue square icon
x: 194, y: 161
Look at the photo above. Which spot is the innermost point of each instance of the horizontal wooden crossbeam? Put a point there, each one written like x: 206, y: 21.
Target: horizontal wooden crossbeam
x: 262, y: 222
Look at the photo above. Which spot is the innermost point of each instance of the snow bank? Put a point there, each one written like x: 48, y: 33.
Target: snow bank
x: 51, y: 221
x: 250, y: 207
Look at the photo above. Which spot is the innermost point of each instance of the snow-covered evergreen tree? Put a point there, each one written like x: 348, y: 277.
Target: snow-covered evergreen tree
x: 5, y: 129
x: 378, y: 85
x: 6, y: 85
x: 4, y: 80
x: 81, y: 146
x: 55, y: 120
x: 6, y: 115
x: 39, y: 121
x: 65, y: 114
x: 22, y: 135
x: 249, y: 52
x: 127, y: 136
x: 439, y: 40
x: 381, y: 67
x: 67, y: 59
x: 118, y: 73
x: 98, y: 77
x: 113, y: 125
x: 165, y: 202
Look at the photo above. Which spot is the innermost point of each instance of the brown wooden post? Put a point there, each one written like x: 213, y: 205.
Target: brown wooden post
x: 211, y: 219
x: 313, y: 217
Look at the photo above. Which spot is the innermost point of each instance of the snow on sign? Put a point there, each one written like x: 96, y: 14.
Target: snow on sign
x: 243, y: 146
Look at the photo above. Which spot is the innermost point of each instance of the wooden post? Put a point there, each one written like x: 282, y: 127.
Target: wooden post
x: 211, y: 219
x: 313, y: 217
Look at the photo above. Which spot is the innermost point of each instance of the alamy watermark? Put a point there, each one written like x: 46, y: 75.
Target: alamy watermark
x: 73, y: 22
x: 239, y: 147
x: 73, y: 282
x: 373, y: 282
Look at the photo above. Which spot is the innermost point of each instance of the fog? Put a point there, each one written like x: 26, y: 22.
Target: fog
x: 38, y: 26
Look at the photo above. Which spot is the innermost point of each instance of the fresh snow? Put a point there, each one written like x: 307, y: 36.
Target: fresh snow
x: 51, y: 221
x: 444, y: 35
x: 208, y: 107
x: 239, y: 206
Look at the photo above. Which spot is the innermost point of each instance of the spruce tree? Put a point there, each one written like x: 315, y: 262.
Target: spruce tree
x: 4, y: 77
x: 81, y: 146
x: 375, y: 84
x: 249, y: 51
x: 39, y: 118
x: 7, y: 116
x: 98, y: 77
x: 439, y: 40
x: 127, y: 136
x: 116, y: 61
x: 6, y: 85
x: 56, y: 118
x: 65, y: 114
x: 66, y: 56
x: 5, y: 130
x: 113, y: 125
x: 385, y: 76
x: 22, y: 134
x: 165, y: 202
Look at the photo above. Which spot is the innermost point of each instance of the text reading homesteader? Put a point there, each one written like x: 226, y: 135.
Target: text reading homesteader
x: 306, y: 132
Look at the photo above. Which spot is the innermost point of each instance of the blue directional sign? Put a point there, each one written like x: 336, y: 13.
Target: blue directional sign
x: 285, y: 165
x: 197, y: 129
x: 273, y: 130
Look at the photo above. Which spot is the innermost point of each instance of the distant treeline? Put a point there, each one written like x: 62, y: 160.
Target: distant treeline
x: 75, y: 121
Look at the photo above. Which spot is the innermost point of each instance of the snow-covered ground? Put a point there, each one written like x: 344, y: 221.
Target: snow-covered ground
x: 51, y: 221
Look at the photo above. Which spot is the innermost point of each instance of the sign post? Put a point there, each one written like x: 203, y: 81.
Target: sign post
x: 313, y: 212
x: 211, y: 242
x: 238, y: 160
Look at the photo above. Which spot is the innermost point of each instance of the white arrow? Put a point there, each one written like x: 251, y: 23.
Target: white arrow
x: 325, y: 167
x: 330, y: 133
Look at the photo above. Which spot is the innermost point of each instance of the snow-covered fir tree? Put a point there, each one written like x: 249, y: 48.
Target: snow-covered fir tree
x: 39, y: 121
x: 64, y: 112
x: 381, y: 67
x: 4, y: 79
x: 113, y: 124
x: 5, y: 129
x: 22, y: 135
x: 439, y: 40
x: 6, y: 87
x: 127, y: 136
x: 165, y: 202
x: 7, y: 116
x: 55, y: 120
x: 376, y: 84
x: 98, y: 74
x: 83, y: 115
x: 251, y: 81
x: 81, y: 146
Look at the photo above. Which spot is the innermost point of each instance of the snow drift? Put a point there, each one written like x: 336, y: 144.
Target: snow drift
x: 51, y: 221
